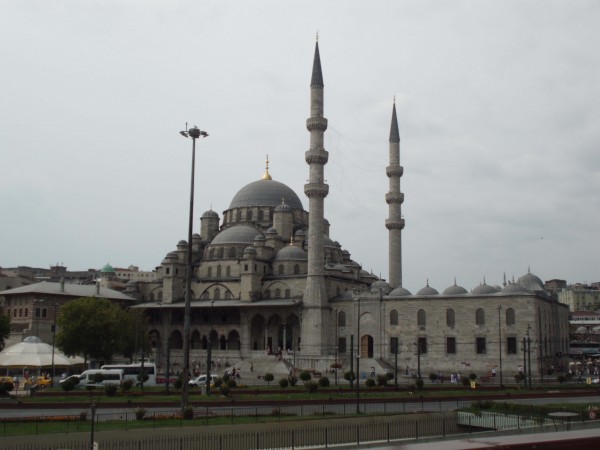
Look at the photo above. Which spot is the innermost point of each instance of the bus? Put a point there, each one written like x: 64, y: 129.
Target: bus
x: 132, y: 371
x: 583, y: 349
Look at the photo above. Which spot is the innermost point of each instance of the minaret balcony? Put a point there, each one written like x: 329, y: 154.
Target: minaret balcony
x: 394, y: 197
x: 394, y: 224
x: 394, y: 171
x: 316, y: 190
x: 316, y: 157
x: 316, y: 123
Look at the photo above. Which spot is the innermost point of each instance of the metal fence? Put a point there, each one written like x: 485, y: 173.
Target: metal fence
x: 306, y: 435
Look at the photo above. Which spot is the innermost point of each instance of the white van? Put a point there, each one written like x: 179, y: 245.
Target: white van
x: 200, y: 380
x: 112, y: 376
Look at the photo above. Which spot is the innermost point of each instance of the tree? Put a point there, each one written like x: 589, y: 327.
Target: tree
x: 92, y: 327
x: 4, y: 329
x: 135, y: 340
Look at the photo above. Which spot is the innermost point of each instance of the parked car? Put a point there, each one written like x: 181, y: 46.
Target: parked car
x: 43, y: 382
x: 200, y: 380
x: 74, y: 378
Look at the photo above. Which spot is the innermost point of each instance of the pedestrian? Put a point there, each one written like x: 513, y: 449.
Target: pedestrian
x: 251, y: 367
x: 372, y: 372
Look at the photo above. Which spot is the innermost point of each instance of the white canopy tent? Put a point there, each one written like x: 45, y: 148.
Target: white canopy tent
x: 33, y: 353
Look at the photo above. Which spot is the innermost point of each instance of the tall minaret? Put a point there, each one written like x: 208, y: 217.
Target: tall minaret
x: 314, y: 332
x: 394, y: 199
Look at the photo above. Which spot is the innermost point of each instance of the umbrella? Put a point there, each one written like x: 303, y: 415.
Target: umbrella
x: 32, y: 352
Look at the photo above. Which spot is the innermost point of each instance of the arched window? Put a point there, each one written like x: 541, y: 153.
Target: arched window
x: 261, y: 214
x: 238, y: 216
x: 211, y: 253
x: 249, y: 215
x: 288, y: 293
x: 209, y: 272
x: 219, y: 271
x: 228, y: 271
x: 421, y: 318
x: 450, y: 318
x: 176, y: 340
x: 221, y: 252
x: 296, y: 269
x: 510, y: 316
x: 228, y: 295
x: 217, y: 294
x: 280, y: 269
x: 232, y: 252
x: 267, y: 294
x: 479, y: 317
x: 393, y: 317
x: 341, y: 319
x: 277, y: 293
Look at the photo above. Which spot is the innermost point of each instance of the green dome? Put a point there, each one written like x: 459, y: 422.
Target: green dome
x: 107, y: 269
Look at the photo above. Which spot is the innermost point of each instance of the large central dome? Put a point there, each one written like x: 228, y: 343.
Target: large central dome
x: 265, y: 193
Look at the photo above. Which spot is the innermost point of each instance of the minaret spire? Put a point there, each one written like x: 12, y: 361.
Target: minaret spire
x: 394, y: 198
x: 316, y: 309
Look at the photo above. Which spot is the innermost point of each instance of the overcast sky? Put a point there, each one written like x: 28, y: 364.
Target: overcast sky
x: 498, y: 105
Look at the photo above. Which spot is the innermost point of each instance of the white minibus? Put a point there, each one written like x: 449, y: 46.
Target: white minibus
x: 88, y: 377
x: 132, y: 371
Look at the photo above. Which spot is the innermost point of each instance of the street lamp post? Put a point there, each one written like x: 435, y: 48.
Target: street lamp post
x: 418, y: 346
x: 209, y: 350
x: 500, y: 345
x: 53, y: 340
x: 357, y: 385
x: 398, y: 347
x: 194, y: 133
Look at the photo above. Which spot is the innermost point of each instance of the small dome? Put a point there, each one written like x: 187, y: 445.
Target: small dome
x: 283, y: 207
x: 340, y: 267
x: 107, y: 269
x: 328, y: 242
x: 515, y: 288
x: 427, y: 290
x: 299, y: 233
x: 171, y: 258
x: 484, y: 289
x: 381, y: 284
x: 271, y: 232
x: 249, y: 251
x: 530, y: 282
x: 238, y: 234
x: 291, y: 252
x: 210, y: 213
x: 399, y: 292
x: 260, y: 238
x: 182, y: 243
x: 455, y: 290
x: 196, y: 236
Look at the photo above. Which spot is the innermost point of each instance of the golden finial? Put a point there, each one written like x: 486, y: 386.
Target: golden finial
x: 267, y: 175
x: 291, y: 240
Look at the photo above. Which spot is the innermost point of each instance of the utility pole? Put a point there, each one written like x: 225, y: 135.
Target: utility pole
x: 529, y: 355
x: 351, y: 358
x: 500, y: 344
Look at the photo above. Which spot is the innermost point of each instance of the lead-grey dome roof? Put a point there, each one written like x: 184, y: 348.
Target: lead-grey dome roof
x: 400, y: 292
x: 428, y: 290
x: 484, y: 289
x: 291, y: 252
x: 455, y: 290
x: 265, y: 193
x: 515, y: 288
x: 531, y: 282
x: 210, y: 213
x: 238, y: 234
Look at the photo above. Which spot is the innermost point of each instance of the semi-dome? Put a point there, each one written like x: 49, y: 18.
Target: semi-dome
x: 380, y: 284
x: 399, y: 292
x: 428, y: 290
x: 283, y: 207
x: 484, y: 289
x: 265, y: 193
x: 291, y: 252
x: 250, y: 251
x: 238, y: 234
x: 182, y: 243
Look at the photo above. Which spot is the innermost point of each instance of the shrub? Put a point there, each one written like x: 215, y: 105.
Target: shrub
x: 219, y: 382
x: 126, y: 385
x: 283, y: 383
x: 140, y: 413
x: 433, y: 376
x: 311, y: 386
x: 465, y: 381
x: 142, y: 376
x: 560, y: 378
x: 268, y: 378
x: 224, y: 389
x: 419, y: 383
x: 324, y: 382
x: 67, y: 385
x: 231, y: 383
x: 382, y: 380
x: 389, y: 376
x: 349, y: 376
x: 178, y: 382
x: 6, y: 387
x: 111, y: 390
x: 293, y: 380
x: 519, y: 377
x: 370, y: 382
x: 472, y: 376
x: 305, y: 376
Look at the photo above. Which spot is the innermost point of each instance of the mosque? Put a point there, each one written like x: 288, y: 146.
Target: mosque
x: 267, y: 278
